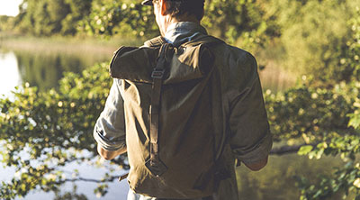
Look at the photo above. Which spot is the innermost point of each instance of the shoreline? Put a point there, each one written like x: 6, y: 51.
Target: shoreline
x: 66, y: 45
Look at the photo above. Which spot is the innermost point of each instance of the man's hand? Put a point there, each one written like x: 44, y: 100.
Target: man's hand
x: 258, y: 165
x: 109, y: 155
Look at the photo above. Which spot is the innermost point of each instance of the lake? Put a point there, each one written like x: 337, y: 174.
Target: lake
x: 44, y: 68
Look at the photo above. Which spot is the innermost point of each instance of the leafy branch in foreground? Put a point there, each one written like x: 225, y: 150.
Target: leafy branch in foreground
x: 44, y: 131
x: 324, y: 122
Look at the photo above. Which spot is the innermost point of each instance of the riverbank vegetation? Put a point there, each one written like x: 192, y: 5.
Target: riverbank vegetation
x: 318, y: 116
x: 66, y: 45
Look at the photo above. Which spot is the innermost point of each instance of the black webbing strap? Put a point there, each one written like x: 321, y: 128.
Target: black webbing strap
x: 154, y: 164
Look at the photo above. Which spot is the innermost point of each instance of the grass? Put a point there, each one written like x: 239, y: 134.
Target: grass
x: 66, y: 45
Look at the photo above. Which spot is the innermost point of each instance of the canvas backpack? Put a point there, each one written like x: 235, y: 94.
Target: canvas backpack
x: 172, y: 135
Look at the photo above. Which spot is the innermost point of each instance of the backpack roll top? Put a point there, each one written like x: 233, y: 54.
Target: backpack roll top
x: 134, y: 64
x: 137, y: 64
x: 190, y: 63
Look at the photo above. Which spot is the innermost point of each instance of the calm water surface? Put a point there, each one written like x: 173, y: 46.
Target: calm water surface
x: 9, y: 72
x: 44, y: 70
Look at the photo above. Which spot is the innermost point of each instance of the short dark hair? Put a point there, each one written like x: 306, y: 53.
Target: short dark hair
x: 191, y: 7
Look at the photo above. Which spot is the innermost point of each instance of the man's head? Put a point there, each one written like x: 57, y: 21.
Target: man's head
x: 170, y: 11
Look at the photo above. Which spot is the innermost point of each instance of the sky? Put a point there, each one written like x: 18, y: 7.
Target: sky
x: 9, y: 7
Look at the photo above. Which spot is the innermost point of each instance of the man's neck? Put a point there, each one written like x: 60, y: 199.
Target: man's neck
x: 185, y: 18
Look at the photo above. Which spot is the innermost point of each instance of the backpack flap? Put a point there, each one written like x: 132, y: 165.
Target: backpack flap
x: 189, y: 63
x: 136, y: 64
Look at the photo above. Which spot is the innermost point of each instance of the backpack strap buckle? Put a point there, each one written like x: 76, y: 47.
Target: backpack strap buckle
x: 158, y: 73
x: 156, y: 166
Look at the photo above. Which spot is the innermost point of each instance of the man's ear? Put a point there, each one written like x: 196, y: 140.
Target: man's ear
x: 163, y: 7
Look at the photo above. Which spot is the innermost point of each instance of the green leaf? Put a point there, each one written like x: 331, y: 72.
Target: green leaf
x: 304, y: 150
x: 354, y: 120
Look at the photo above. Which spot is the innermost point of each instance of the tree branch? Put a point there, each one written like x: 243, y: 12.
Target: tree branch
x: 287, y: 149
x: 110, y: 179
x: 107, y: 180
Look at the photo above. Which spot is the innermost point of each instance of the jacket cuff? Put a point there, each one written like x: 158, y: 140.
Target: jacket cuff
x: 258, y: 153
x: 105, y: 143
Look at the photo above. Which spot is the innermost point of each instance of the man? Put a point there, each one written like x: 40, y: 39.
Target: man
x: 244, y: 114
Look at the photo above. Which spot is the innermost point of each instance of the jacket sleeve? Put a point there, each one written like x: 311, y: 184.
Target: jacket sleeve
x: 250, y: 137
x: 109, y: 131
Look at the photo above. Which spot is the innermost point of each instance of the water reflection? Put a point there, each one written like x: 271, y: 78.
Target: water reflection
x: 41, y: 69
x: 9, y: 72
x: 45, y: 70
x: 277, y: 181
x: 81, y: 190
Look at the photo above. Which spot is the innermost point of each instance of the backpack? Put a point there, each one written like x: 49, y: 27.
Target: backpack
x: 172, y: 132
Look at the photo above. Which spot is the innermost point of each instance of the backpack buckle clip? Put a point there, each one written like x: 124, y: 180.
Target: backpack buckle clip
x: 156, y: 167
x: 158, y: 73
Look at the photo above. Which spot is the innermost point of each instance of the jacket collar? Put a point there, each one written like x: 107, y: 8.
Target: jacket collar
x: 178, y: 33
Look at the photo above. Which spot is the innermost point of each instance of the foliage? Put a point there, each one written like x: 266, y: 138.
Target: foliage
x: 311, y: 33
x: 348, y: 181
x: 5, y: 23
x: 310, y: 113
x: 37, y: 70
x: 325, y: 112
x: 117, y: 17
x: 244, y: 22
x: 57, y: 126
x: 49, y: 17
x: 78, y: 9
x: 320, y: 117
x: 348, y: 64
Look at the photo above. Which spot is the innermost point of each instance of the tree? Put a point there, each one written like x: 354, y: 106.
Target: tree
x: 79, y: 9
x: 5, y: 23
x: 311, y: 32
x: 325, y: 113
x: 108, y: 18
x: 51, y: 17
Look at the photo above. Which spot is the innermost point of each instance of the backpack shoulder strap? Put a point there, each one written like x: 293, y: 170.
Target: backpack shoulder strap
x: 155, y: 42
x: 207, y: 40
x: 154, y: 164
